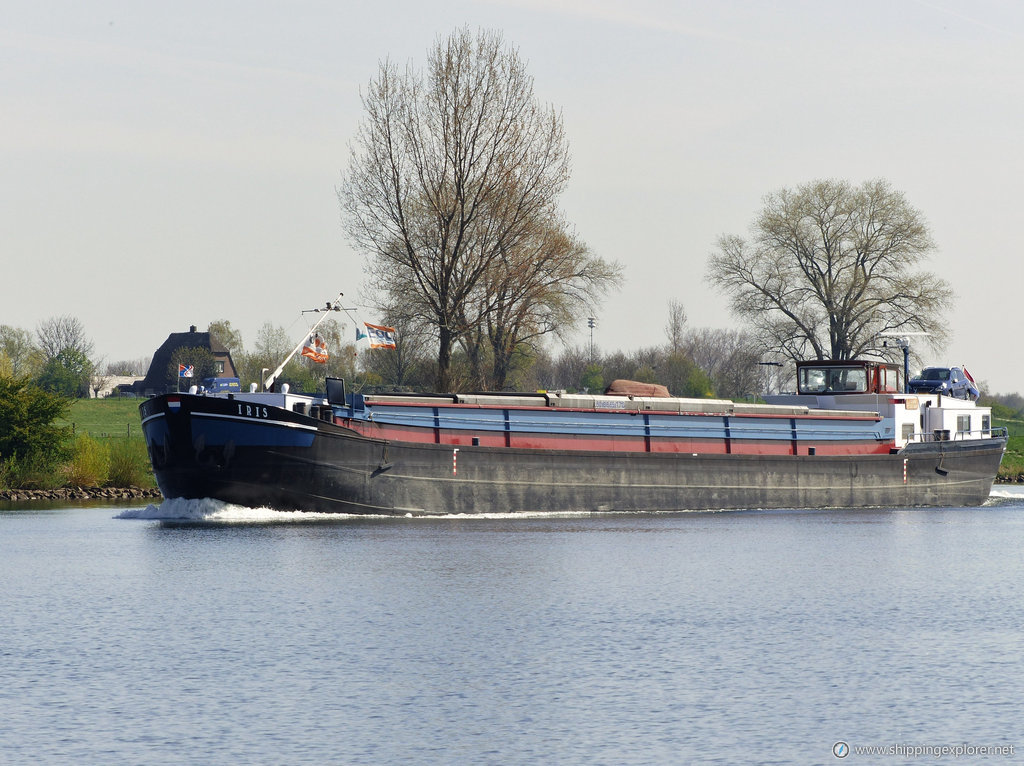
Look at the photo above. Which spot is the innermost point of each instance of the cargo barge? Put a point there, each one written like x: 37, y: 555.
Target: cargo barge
x: 849, y: 437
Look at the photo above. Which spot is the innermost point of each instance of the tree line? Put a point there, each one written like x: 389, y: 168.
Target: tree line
x: 451, y: 195
x: 691, y: 361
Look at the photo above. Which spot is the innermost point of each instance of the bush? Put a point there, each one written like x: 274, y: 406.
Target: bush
x: 90, y: 463
x: 33, y: 472
x: 31, y: 439
x: 129, y: 464
x: 29, y: 422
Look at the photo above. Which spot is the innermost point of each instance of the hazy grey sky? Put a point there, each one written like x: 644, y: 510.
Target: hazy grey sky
x: 176, y: 163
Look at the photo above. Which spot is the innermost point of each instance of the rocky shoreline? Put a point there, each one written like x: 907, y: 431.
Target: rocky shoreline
x: 79, y: 493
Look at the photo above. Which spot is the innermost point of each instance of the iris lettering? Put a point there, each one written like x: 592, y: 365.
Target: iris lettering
x: 252, y: 412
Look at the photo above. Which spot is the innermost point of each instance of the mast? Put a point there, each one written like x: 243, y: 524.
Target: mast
x: 268, y: 383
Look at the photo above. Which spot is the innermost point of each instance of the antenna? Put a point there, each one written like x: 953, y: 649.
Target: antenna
x: 902, y: 340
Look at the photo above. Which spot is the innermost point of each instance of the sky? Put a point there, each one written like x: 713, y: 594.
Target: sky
x: 171, y: 164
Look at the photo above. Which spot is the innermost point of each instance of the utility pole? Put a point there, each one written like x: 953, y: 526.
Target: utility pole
x: 591, y: 323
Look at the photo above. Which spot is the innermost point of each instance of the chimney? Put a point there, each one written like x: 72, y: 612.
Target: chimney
x: 192, y: 328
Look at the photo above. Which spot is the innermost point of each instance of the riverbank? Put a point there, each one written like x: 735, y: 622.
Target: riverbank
x: 79, y: 493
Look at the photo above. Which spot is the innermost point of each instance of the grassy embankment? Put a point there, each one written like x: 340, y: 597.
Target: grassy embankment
x: 108, y: 446
x: 1012, y: 468
x: 109, y: 421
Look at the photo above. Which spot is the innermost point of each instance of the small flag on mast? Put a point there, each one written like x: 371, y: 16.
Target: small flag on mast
x: 316, y: 350
x: 185, y: 370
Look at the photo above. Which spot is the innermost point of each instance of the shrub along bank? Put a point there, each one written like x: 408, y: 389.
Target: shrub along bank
x: 49, y: 443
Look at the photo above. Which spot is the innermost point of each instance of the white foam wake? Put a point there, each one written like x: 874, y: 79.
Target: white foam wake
x: 218, y: 511
x: 1007, y: 491
x: 209, y: 510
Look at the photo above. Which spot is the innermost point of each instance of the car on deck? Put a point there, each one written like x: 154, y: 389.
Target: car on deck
x: 948, y: 381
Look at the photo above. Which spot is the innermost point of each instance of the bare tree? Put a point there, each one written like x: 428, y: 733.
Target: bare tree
x: 731, y: 358
x: 271, y: 346
x: 402, y: 366
x: 128, y: 367
x: 676, y: 327
x: 450, y: 168
x: 830, y: 270
x: 99, y: 379
x: 63, y: 333
x: 539, y: 288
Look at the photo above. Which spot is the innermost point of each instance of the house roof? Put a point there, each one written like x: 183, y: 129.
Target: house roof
x: 156, y: 376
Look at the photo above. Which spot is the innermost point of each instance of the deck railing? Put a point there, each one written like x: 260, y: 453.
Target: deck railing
x: 943, y: 435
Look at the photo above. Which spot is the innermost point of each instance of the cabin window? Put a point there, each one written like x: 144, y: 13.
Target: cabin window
x: 963, y: 423
x: 986, y: 423
x: 908, y: 431
x: 889, y: 380
x: 828, y: 380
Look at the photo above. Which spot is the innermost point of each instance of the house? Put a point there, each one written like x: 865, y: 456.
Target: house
x: 101, y: 386
x: 156, y: 380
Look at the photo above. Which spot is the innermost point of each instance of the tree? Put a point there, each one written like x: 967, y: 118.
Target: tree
x: 676, y: 327
x: 200, y: 359
x: 61, y: 333
x: 830, y: 271
x: 67, y: 365
x: 19, y: 356
x: 683, y: 377
x: 730, y: 358
x: 30, y: 439
x: 450, y: 168
x: 407, y: 363
x: 66, y: 374
x: 271, y: 347
x: 592, y: 380
x: 537, y: 288
x: 128, y: 366
x: 228, y: 336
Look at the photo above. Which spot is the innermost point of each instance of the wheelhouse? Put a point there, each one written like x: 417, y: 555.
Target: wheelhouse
x: 853, y: 376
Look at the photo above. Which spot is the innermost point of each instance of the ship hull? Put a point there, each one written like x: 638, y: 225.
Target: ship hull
x: 201, y: 447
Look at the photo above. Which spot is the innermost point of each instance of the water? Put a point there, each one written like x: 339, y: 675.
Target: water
x: 192, y: 633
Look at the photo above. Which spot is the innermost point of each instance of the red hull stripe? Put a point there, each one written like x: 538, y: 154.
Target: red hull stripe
x: 601, y: 443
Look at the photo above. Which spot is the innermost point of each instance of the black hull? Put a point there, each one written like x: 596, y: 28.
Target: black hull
x: 336, y: 470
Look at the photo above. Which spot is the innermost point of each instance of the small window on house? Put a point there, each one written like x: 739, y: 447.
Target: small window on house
x: 219, y: 366
x: 963, y: 423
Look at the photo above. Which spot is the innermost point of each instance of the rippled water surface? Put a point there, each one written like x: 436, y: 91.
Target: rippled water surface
x: 199, y: 633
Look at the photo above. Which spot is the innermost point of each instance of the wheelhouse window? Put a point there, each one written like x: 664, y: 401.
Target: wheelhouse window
x: 963, y: 423
x: 888, y: 380
x: 828, y: 380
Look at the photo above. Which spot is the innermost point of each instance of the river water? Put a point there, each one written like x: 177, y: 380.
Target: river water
x: 197, y: 633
